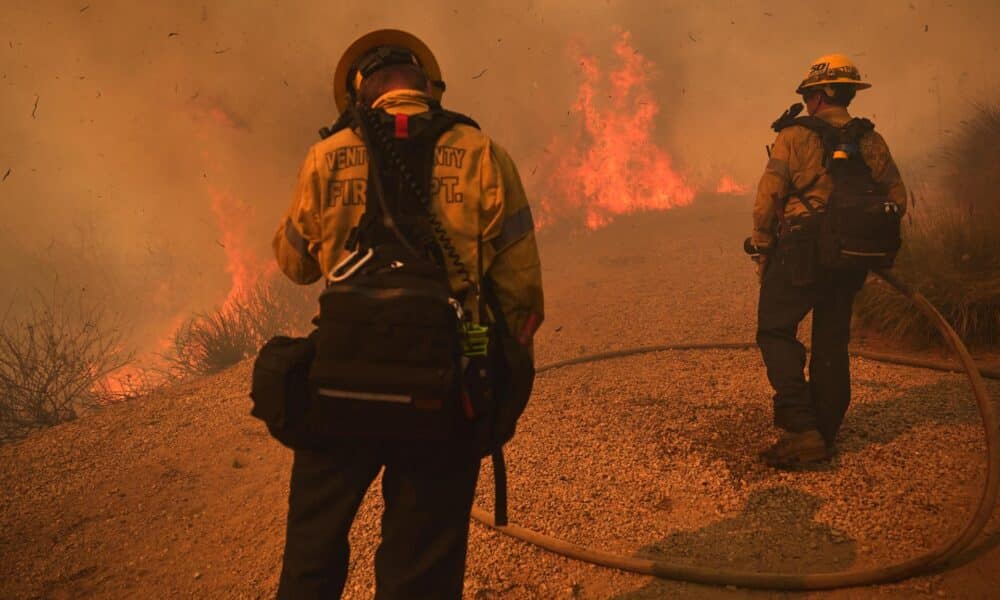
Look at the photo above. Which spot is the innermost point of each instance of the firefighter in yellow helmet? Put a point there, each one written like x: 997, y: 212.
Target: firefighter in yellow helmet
x: 476, y: 197
x: 798, y: 274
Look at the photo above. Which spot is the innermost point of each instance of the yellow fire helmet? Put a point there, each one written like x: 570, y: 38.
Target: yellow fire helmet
x: 832, y: 68
x: 392, y: 46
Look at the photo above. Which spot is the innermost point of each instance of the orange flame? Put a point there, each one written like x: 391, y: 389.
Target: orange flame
x: 244, y: 266
x: 612, y: 166
x: 242, y: 263
x: 728, y: 185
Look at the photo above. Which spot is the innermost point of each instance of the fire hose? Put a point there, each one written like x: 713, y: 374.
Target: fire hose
x: 936, y: 558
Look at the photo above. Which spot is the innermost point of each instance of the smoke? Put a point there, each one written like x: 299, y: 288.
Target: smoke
x: 124, y: 123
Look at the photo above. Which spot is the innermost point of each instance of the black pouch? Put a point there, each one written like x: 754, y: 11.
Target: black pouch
x: 512, y: 376
x: 280, y: 389
x: 388, y: 359
x: 513, y: 379
x: 860, y: 231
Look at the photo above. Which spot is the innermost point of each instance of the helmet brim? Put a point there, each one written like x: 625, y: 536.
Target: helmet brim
x: 384, y: 37
x: 858, y: 85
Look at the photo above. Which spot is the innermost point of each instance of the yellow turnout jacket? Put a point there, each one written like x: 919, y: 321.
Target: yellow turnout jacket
x: 475, y: 190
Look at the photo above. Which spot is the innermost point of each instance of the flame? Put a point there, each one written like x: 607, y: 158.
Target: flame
x: 242, y: 263
x: 728, y: 185
x: 612, y: 166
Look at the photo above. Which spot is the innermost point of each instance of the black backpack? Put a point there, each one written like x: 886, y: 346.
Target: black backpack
x: 860, y: 226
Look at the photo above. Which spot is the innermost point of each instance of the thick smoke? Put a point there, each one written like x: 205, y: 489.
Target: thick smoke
x: 122, y: 120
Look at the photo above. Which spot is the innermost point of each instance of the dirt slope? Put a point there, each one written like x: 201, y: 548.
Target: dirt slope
x: 183, y: 495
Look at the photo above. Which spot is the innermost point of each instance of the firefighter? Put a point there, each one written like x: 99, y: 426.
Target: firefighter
x: 791, y: 198
x: 477, y: 195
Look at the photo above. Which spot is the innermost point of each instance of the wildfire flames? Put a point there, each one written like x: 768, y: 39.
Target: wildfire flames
x: 242, y: 263
x: 612, y: 166
x: 727, y: 185
x: 244, y: 266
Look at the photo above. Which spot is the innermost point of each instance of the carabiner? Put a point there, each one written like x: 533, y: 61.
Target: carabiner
x: 334, y: 277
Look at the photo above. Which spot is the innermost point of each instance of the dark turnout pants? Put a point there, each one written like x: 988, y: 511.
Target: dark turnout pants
x: 793, y: 285
x: 428, y: 491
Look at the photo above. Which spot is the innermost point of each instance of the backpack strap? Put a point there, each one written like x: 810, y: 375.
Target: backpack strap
x: 429, y: 125
x: 424, y: 129
x: 847, y: 137
x: 829, y: 135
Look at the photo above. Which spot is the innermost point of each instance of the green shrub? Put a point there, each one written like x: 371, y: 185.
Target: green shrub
x: 951, y: 248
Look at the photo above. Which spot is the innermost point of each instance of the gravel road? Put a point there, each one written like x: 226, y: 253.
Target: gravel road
x: 183, y: 495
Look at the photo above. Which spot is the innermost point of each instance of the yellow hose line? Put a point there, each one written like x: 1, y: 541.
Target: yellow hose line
x: 936, y: 558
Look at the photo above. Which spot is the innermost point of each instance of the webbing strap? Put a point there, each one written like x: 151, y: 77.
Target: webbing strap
x: 500, y: 482
x: 499, y: 463
x: 402, y: 126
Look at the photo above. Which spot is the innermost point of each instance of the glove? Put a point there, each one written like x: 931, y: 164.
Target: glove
x: 758, y: 256
x: 760, y: 266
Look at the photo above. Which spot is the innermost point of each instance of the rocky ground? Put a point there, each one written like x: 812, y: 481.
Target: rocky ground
x: 182, y: 494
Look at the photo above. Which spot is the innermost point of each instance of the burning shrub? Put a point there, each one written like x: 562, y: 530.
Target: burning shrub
x: 612, y: 165
x: 54, y: 362
x: 951, y: 252
x: 208, y: 343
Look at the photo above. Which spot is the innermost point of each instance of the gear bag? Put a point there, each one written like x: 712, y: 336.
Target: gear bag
x: 860, y: 226
x: 389, y: 345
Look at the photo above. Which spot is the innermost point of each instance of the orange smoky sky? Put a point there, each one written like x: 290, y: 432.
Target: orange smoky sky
x: 123, y: 123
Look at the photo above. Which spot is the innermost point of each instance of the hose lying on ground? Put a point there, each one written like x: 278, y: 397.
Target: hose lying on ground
x: 935, y: 558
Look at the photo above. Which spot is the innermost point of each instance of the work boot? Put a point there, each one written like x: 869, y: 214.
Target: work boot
x: 796, y: 448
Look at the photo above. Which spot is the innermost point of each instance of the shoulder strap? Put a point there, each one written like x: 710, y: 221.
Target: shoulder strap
x: 850, y: 132
x: 435, y: 107
x: 433, y: 122
x: 812, y: 123
x: 451, y: 118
